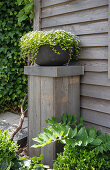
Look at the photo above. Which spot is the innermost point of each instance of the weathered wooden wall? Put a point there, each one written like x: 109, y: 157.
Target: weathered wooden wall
x: 89, y: 20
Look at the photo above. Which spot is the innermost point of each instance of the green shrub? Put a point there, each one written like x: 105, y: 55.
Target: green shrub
x: 13, y: 82
x: 82, y: 158
x: 84, y: 148
x: 7, y: 151
x: 9, y: 160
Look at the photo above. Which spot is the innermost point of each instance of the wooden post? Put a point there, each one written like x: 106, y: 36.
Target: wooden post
x: 52, y: 92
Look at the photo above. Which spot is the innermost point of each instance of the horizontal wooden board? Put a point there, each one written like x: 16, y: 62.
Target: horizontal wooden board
x: 76, y: 17
x: 96, y: 117
x: 46, y: 3
x: 94, y: 65
x: 83, y: 28
x: 94, y: 53
x: 102, y: 128
x: 95, y: 40
x: 95, y: 104
x: 101, y: 92
x: 72, y: 6
x: 96, y: 78
x: 92, y: 62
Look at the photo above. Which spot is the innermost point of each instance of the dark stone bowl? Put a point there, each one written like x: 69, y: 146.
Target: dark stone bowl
x: 47, y: 57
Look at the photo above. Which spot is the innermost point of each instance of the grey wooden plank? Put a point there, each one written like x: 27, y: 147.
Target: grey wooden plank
x: 94, y: 53
x: 60, y: 96
x: 47, y: 112
x: 92, y: 62
x: 72, y: 6
x: 33, y: 113
x: 102, y: 128
x: 37, y: 17
x: 94, y: 65
x: 95, y: 40
x: 96, y: 68
x: 96, y: 78
x: 74, y: 96
x: 98, y: 118
x: 77, y: 17
x: 100, y: 92
x: 83, y: 28
x: 109, y: 41
x: 54, y: 71
x: 46, y: 3
x: 95, y: 104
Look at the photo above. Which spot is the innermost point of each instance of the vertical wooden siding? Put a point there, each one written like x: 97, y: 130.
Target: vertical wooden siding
x: 89, y: 20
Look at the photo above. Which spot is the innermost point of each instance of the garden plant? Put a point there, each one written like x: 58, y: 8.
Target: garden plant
x: 32, y: 41
x: 9, y: 160
x: 84, y: 148
x: 15, y: 21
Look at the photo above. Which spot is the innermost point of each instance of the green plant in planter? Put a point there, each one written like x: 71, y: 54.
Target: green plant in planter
x: 32, y: 41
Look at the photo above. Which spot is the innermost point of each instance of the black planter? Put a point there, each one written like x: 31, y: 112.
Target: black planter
x: 47, y: 57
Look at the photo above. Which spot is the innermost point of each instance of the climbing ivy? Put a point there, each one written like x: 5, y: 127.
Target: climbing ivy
x: 15, y: 21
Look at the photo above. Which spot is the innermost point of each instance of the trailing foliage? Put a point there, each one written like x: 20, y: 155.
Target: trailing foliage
x: 82, y: 158
x: 9, y: 160
x: 72, y: 134
x: 31, y: 42
x: 13, y: 82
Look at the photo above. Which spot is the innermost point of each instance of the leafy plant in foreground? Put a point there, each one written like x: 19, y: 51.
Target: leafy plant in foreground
x: 72, y: 134
x: 9, y: 160
x: 82, y: 158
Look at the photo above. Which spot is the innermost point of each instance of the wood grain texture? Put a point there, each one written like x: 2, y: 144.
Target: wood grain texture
x: 46, y: 3
x: 95, y: 104
x: 96, y: 78
x: 109, y: 41
x: 95, y: 117
x: 98, y: 40
x: 94, y: 53
x: 47, y: 112
x: 76, y: 17
x: 83, y: 28
x: 98, y: 127
x: 34, y: 126
x: 37, y: 17
x: 94, y: 65
x: 72, y: 6
x: 100, y: 92
x: 74, y: 96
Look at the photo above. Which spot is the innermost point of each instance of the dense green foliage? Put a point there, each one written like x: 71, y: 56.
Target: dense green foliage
x: 7, y: 151
x: 14, y: 22
x: 31, y: 42
x: 9, y: 160
x: 72, y: 134
x: 85, y: 147
x: 82, y: 158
